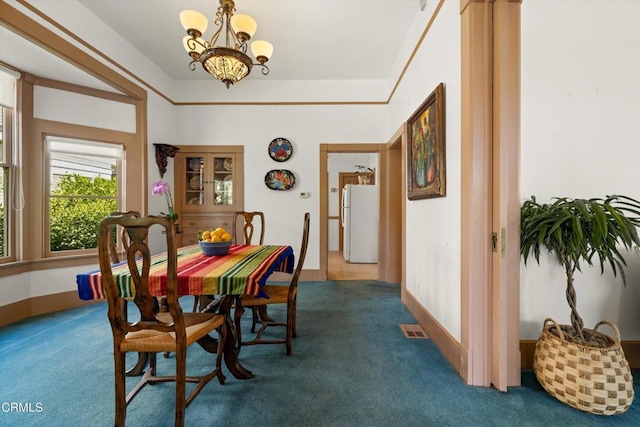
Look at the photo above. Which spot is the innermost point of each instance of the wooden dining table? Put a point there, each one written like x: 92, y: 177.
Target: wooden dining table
x: 243, y: 271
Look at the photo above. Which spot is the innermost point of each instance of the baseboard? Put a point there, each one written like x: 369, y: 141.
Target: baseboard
x: 631, y: 353
x: 447, y: 345
x: 305, y: 276
x: 35, y: 306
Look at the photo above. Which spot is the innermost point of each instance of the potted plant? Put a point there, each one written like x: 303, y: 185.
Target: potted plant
x: 162, y: 188
x: 582, y: 367
x: 364, y: 174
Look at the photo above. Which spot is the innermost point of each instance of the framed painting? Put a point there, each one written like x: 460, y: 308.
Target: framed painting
x: 426, y: 165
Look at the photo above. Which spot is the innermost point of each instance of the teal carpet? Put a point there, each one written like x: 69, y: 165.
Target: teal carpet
x: 351, y: 366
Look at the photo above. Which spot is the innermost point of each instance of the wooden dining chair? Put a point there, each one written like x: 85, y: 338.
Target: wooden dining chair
x: 171, y: 331
x: 119, y: 235
x: 248, y: 227
x: 277, y: 294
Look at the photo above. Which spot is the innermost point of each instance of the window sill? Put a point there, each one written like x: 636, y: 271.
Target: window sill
x: 17, y: 267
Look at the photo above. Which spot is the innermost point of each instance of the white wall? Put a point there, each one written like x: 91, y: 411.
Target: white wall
x: 306, y: 127
x: 433, y: 225
x: 580, y: 92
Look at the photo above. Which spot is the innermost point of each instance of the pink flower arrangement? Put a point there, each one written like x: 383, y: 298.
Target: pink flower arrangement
x: 160, y: 188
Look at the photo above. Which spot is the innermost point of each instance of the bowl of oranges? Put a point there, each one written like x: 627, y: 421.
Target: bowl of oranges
x: 216, y: 241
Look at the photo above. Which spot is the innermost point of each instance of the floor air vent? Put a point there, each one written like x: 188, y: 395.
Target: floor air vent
x: 413, y: 331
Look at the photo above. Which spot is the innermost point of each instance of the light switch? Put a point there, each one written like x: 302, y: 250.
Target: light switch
x: 305, y: 194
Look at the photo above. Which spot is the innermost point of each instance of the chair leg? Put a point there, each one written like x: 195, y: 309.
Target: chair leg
x: 294, y: 333
x: 181, y: 372
x: 196, y: 301
x: 152, y: 363
x: 121, y: 398
x: 222, y: 339
x: 289, y: 330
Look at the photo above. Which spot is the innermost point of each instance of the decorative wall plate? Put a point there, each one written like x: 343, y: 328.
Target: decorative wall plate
x: 194, y: 163
x: 194, y: 182
x: 280, y: 179
x: 280, y: 149
x: 228, y: 163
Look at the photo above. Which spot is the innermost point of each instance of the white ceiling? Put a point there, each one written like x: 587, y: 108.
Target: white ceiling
x: 313, y: 39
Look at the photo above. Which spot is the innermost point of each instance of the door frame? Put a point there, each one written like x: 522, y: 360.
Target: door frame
x: 325, y: 149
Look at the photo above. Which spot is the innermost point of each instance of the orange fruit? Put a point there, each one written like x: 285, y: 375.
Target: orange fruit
x: 216, y: 238
x: 226, y: 237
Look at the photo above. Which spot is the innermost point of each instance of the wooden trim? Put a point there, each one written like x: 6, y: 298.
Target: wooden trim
x: 505, y: 323
x: 527, y: 348
x: 324, y: 192
x: 305, y: 276
x: 134, y: 177
x: 237, y: 149
x: 476, y: 194
x: 447, y: 345
x: 415, y: 50
x: 44, y: 304
x: 74, y: 88
x: 392, y: 213
x: 14, y: 312
x: 31, y: 30
x: 282, y: 103
x: 352, y: 148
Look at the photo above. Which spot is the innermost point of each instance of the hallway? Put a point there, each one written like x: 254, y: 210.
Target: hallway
x: 339, y: 269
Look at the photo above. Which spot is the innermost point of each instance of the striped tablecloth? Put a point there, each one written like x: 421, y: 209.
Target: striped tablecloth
x: 244, y: 270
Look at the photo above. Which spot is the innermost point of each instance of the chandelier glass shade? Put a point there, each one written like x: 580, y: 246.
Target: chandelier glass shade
x: 225, y: 59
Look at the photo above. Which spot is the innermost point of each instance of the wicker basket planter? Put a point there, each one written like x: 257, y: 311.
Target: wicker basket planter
x: 591, y: 379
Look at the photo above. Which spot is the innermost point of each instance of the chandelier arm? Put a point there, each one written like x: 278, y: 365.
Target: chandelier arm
x: 192, y: 65
x: 265, y: 69
x: 193, y: 43
x: 214, y: 38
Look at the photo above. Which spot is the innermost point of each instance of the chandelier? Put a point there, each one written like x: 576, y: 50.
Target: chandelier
x: 227, y: 62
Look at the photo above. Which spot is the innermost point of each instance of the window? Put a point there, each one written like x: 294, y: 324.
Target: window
x: 84, y: 186
x: 5, y: 169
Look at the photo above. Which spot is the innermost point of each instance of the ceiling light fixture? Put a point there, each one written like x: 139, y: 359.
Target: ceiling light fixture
x: 228, y: 62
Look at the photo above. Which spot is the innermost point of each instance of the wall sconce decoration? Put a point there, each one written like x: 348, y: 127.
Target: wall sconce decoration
x: 162, y: 152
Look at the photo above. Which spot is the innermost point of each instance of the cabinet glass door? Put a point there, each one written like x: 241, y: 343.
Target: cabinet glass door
x: 223, y: 181
x: 194, y: 181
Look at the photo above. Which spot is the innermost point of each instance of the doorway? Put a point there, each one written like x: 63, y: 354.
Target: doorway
x: 341, y: 170
x: 389, y: 253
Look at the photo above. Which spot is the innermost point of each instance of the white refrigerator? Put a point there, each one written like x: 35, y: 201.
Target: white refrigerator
x: 360, y: 223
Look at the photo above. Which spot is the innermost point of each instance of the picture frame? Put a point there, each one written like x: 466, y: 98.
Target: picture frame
x: 426, y: 159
